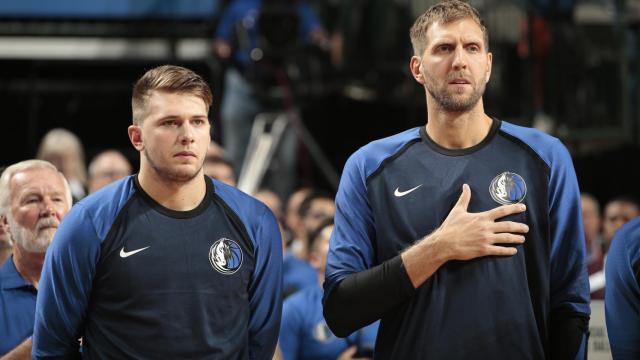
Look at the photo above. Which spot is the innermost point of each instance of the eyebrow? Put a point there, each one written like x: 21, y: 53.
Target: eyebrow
x: 177, y: 117
x: 34, y: 192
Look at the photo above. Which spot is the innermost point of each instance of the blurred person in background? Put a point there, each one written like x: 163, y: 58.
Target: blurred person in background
x: 297, y: 272
x: 292, y: 220
x: 34, y: 197
x: 255, y: 38
x: 272, y: 200
x: 304, y: 334
x: 617, y: 212
x: 217, y: 166
x: 592, y: 222
x: 316, y: 207
x: 107, y: 167
x: 63, y: 149
x: 220, y: 169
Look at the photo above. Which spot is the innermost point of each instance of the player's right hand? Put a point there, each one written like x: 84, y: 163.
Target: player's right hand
x: 464, y: 235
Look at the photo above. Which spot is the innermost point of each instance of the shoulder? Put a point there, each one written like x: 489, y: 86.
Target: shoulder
x: 240, y: 202
x: 548, y: 148
x: 255, y: 216
x: 370, y: 157
x: 102, y: 207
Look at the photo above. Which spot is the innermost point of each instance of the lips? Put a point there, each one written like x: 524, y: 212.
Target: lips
x: 460, y: 82
x: 185, y: 154
x: 47, y: 223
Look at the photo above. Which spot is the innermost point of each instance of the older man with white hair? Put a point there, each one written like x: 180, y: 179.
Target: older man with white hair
x: 34, y: 196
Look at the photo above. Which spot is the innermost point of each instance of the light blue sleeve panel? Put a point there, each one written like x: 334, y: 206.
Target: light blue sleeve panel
x: 265, y: 291
x: 622, y: 293
x: 569, y: 279
x: 351, y: 244
x: 69, y: 268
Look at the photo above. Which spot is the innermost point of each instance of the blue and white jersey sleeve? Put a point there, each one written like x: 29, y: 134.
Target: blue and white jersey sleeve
x: 622, y: 299
x: 569, y: 277
x: 62, y: 299
x: 569, y: 281
x: 351, y: 248
x: 265, y: 292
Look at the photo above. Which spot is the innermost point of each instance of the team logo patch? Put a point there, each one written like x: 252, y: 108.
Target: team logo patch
x: 508, y: 188
x: 225, y: 256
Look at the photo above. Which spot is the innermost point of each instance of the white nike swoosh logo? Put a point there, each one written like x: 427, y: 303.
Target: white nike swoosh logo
x: 124, y: 254
x: 399, y: 193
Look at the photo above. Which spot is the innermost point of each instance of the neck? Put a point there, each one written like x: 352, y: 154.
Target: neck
x: 28, y: 264
x: 174, y: 195
x: 457, y: 130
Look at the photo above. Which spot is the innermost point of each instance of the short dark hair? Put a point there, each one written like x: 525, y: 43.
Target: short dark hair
x: 444, y: 12
x: 171, y: 79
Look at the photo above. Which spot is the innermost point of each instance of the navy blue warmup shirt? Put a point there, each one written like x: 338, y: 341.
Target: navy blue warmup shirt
x: 17, y: 307
x: 397, y: 190
x: 622, y: 299
x: 136, y: 280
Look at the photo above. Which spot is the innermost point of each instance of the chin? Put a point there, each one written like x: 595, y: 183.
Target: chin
x: 181, y: 174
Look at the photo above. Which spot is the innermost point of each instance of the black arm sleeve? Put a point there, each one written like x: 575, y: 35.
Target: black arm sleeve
x: 361, y: 298
x: 568, y: 328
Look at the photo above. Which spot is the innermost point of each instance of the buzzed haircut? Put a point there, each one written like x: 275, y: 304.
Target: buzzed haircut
x: 444, y: 13
x: 170, y: 79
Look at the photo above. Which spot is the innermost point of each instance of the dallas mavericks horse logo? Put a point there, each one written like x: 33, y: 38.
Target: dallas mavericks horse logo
x: 225, y: 256
x: 508, y: 188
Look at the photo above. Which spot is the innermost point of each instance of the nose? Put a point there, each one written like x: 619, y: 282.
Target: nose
x: 186, y: 136
x: 48, y: 208
x: 459, y: 59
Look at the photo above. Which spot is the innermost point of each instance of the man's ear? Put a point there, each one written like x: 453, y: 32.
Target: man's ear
x: 4, y: 223
x: 415, y: 65
x: 135, y: 136
x: 490, y: 62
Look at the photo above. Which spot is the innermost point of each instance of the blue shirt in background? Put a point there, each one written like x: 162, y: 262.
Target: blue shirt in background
x: 305, y: 335
x: 17, y: 307
x: 297, y: 274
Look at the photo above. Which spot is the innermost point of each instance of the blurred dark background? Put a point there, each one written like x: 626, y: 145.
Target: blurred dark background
x: 568, y: 67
